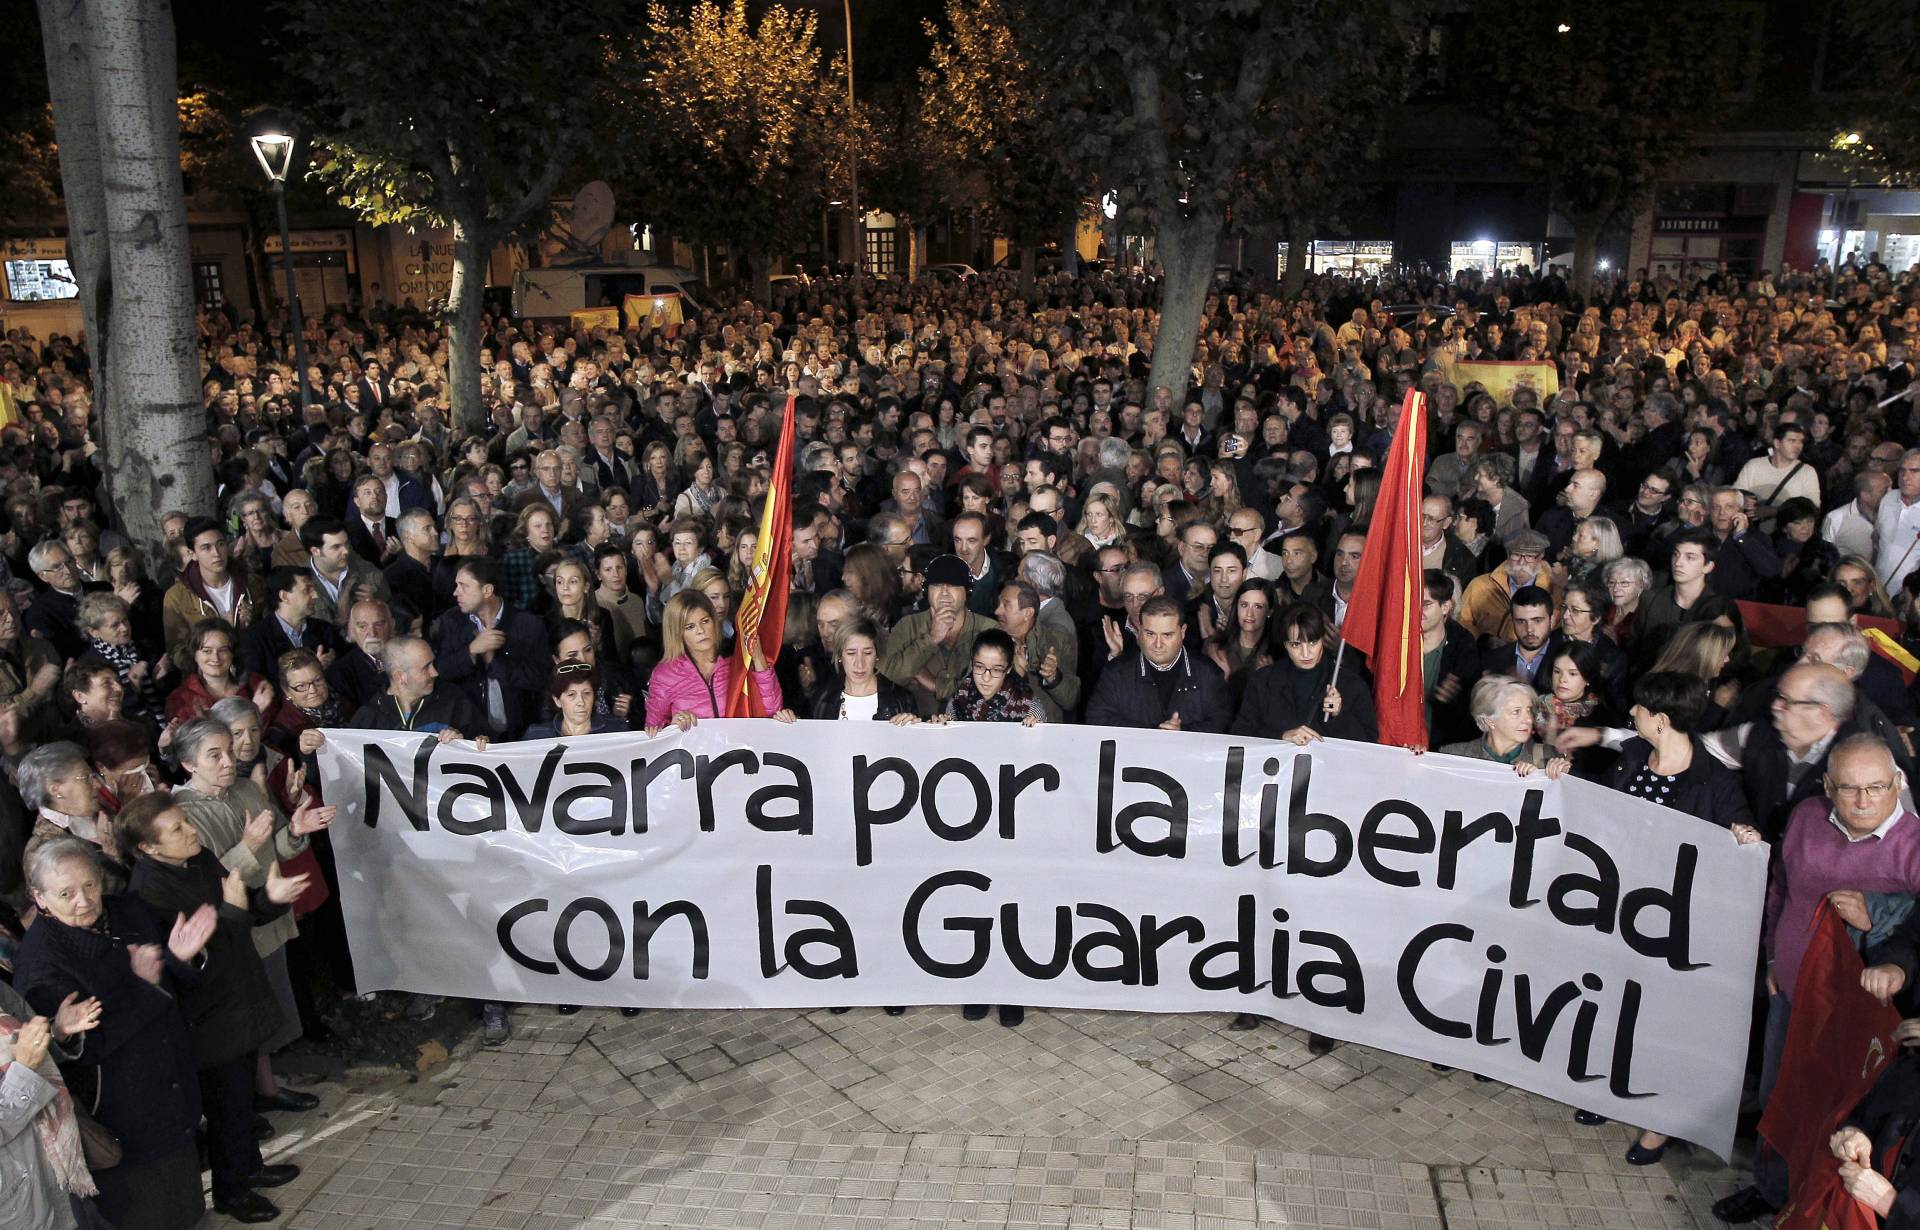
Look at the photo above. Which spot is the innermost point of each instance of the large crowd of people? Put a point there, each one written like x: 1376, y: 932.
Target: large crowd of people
x: 996, y: 517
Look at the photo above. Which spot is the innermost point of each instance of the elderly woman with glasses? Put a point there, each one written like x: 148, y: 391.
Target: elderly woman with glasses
x: 57, y: 780
x: 93, y: 946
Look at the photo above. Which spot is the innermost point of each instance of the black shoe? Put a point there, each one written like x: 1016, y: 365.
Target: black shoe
x: 1586, y: 1118
x: 1485, y: 1080
x: 1745, y: 1205
x: 1319, y: 1044
x: 566, y: 1009
x: 263, y: 1130
x: 1640, y: 1155
x: 250, y: 1207
x: 896, y: 1012
x: 630, y: 1013
x: 286, y: 1099
x: 974, y: 1012
x: 1244, y: 1021
x: 1011, y: 1015
x: 1439, y: 1067
x: 839, y: 1011
x: 274, y: 1176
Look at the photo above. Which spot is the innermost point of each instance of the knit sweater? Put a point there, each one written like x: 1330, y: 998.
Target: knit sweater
x: 1816, y: 859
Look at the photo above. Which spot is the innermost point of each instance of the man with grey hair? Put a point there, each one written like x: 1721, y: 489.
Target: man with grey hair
x: 1043, y: 658
x: 412, y: 700
x: 1780, y: 760
x: 1850, y: 527
x: 53, y: 612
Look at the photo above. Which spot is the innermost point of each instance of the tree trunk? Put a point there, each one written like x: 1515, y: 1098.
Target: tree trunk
x: 470, y: 247
x: 1299, y: 239
x: 760, y: 269
x: 1028, y: 258
x: 63, y: 27
x: 1070, y: 246
x: 1586, y: 253
x: 156, y: 456
x: 1187, y: 250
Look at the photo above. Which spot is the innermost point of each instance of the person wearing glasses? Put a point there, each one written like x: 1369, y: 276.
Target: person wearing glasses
x: 1854, y: 844
x: 57, y: 781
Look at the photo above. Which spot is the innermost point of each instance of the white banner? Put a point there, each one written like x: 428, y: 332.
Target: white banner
x: 1588, y: 946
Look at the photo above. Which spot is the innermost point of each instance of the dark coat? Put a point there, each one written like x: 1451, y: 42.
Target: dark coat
x: 230, y: 1006
x: 355, y: 678
x: 1282, y: 696
x: 894, y: 700
x: 1708, y: 790
x: 444, y: 709
x: 262, y: 643
x: 521, y: 665
x: 141, y: 1057
x: 360, y: 539
x: 1126, y: 696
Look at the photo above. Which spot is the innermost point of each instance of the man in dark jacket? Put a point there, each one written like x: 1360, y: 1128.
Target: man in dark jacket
x: 1160, y: 684
x: 495, y: 654
x: 291, y: 626
x: 412, y: 701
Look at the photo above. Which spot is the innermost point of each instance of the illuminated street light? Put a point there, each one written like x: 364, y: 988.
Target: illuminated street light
x: 275, y: 152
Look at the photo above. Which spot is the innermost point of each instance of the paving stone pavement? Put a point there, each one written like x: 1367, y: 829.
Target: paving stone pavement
x: 796, y: 1120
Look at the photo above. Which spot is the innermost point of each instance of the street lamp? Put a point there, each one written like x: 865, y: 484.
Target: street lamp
x: 275, y: 152
x: 853, y: 162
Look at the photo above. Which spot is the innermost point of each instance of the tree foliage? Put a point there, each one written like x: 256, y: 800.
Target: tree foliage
x: 986, y: 122
x: 1200, y: 110
x: 1604, y: 97
x: 1877, y: 126
x: 471, y: 130
x: 722, y: 118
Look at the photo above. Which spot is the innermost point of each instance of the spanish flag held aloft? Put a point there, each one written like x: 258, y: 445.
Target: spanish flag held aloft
x: 1383, y: 618
x: 762, y: 615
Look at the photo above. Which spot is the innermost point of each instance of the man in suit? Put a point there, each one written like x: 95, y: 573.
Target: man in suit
x: 494, y: 654
x: 370, y: 531
x: 1533, y: 455
x: 1438, y: 547
x: 550, y: 486
x: 374, y: 390
x: 340, y: 577
x: 290, y: 626
x: 53, y: 614
x: 358, y: 673
x: 612, y: 471
x: 403, y: 491
x: 988, y: 569
x: 1579, y: 499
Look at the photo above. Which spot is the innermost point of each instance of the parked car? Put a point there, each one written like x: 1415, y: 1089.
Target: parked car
x: 947, y: 274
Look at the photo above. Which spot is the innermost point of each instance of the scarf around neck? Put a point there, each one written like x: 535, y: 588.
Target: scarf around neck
x: 55, y: 1125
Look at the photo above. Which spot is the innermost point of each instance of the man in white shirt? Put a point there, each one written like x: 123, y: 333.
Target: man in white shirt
x: 1850, y: 527
x: 1897, y: 525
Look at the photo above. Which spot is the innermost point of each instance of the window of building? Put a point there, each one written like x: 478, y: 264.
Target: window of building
x: 209, y: 290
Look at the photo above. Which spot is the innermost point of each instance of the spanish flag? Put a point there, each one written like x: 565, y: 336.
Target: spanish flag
x: 1383, y: 619
x: 762, y: 614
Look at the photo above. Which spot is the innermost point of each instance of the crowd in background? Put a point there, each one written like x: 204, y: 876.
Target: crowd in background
x: 1683, y: 567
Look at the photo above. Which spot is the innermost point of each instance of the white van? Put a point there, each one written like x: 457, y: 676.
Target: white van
x: 545, y: 294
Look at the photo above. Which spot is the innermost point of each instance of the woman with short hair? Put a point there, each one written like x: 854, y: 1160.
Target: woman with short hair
x: 1503, y: 708
x: 135, y: 1071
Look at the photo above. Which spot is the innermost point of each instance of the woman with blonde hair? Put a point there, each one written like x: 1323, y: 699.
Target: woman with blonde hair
x: 1702, y: 651
x: 694, y: 679
x: 1100, y: 522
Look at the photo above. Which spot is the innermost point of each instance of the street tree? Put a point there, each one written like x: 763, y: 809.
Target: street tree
x: 1197, y: 108
x: 1604, y: 98
x: 111, y: 75
x: 986, y: 118
x: 465, y: 132
x: 720, y: 116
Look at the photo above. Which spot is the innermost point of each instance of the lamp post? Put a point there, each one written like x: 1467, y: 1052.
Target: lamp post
x: 275, y: 152
x: 853, y: 162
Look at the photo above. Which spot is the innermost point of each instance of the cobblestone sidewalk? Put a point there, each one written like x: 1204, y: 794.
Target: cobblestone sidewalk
x: 792, y: 1120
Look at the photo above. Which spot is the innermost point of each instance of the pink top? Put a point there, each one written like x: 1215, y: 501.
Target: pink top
x: 676, y: 687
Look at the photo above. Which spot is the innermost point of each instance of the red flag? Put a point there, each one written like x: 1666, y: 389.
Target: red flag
x: 1839, y: 1040
x: 1770, y: 626
x: 762, y: 614
x: 1383, y: 619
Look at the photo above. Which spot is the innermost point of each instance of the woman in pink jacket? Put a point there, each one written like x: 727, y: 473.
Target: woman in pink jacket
x: 692, y: 679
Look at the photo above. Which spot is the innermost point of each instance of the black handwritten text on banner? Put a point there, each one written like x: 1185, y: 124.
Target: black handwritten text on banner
x: 1562, y: 937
